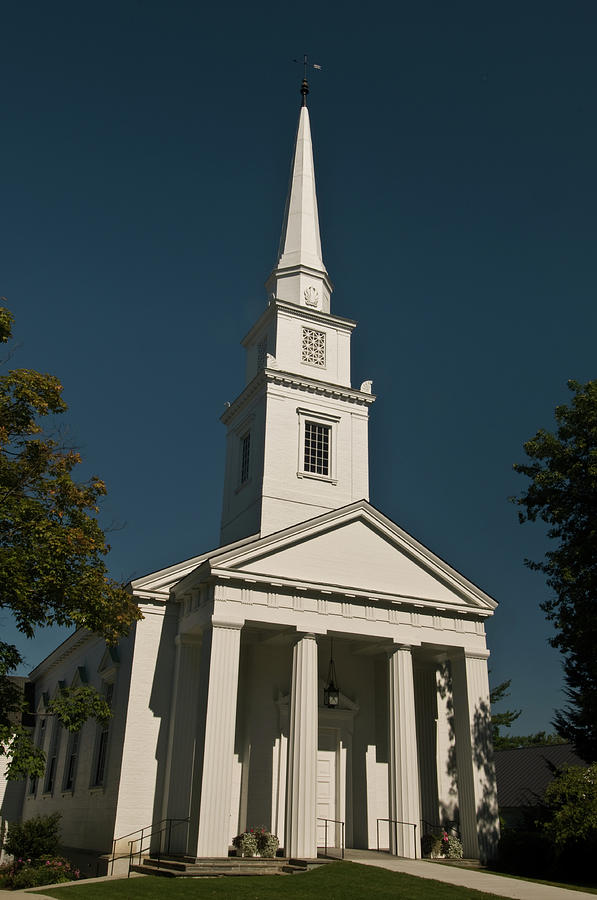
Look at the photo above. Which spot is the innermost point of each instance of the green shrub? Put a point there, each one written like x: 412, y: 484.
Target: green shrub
x: 34, y: 838
x: 569, y: 821
x: 571, y: 806
x: 48, y: 870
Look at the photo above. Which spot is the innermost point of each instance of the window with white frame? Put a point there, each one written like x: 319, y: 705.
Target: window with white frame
x: 245, y: 457
x: 317, y: 445
x: 313, y: 347
x: 317, y: 448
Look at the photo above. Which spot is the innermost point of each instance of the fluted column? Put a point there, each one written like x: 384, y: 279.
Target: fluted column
x: 403, y: 781
x: 477, y: 797
x: 301, y: 785
x: 447, y: 776
x: 219, y: 674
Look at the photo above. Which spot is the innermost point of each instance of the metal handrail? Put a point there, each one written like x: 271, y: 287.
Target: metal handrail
x: 140, y: 831
x: 396, y: 822
x: 167, y: 827
x: 447, y: 826
x: 336, y: 822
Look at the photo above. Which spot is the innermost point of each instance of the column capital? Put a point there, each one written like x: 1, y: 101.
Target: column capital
x: 399, y: 645
x: 310, y: 631
x: 476, y: 654
x: 226, y: 622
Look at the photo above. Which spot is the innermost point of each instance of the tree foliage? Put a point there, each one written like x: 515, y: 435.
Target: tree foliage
x: 571, y: 804
x: 502, y: 719
x: 74, y: 706
x: 52, y: 548
x: 562, y: 469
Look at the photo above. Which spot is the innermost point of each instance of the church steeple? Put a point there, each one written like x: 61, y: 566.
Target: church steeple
x: 297, y: 434
x: 300, y: 275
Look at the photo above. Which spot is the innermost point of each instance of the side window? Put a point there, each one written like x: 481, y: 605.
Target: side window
x: 245, y: 457
x: 70, y: 767
x: 39, y: 742
x: 52, y: 757
x: 103, y: 735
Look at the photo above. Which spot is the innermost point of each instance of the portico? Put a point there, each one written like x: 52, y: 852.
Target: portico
x: 404, y: 743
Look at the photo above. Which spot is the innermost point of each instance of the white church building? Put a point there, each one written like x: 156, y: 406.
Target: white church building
x: 226, y: 710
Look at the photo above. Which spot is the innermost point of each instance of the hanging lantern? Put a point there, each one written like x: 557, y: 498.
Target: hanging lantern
x: 331, y: 694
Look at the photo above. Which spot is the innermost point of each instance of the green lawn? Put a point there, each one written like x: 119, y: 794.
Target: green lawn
x: 336, y: 881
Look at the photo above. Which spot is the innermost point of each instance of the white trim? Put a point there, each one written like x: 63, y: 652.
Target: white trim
x: 331, y: 422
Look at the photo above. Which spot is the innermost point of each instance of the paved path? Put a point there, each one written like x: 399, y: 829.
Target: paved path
x: 28, y: 893
x: 480, y: 881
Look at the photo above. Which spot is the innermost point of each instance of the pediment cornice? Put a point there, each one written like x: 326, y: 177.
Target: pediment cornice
x: 234, y: 563
x: 280, y: 378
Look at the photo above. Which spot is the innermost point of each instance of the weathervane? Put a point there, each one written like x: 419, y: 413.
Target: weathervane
x: 305, y: 84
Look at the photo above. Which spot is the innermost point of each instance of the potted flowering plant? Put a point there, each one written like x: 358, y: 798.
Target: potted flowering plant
x: 267, y: 843
x: 246, y: 843
x: 256, y: 841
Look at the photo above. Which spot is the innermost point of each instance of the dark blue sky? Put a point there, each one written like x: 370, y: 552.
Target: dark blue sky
x: 144, y: 160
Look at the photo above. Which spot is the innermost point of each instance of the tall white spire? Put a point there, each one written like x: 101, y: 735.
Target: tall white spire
x: 300, y: 276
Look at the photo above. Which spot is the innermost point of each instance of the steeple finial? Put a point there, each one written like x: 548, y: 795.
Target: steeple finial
x: 305, y: 84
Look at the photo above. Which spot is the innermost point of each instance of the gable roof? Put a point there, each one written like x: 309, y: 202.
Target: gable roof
x: 158, y: 584
x: 353, y: 549
x: 523, y: 773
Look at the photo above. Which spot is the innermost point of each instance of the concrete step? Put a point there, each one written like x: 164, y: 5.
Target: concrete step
x: 218, y: 867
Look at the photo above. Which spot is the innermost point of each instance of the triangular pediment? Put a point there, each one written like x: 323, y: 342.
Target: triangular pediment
x: 357, y: 550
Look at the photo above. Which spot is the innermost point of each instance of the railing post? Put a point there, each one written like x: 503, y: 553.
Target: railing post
x: 416, y: 854
x: 342, y: 840
x: 169, y: 836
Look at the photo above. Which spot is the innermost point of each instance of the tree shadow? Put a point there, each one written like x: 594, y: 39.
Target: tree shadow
x: 487, y: 806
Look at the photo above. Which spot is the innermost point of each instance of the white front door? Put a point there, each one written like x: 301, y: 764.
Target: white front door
x: 326, y: 786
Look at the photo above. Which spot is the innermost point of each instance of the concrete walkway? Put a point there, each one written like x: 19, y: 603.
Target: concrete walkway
x: 470, y: 878
x: 28, y: 893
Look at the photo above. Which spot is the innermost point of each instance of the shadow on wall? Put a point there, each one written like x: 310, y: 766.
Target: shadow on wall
x: 483, y: 768
x: 448, y: 804
x: 487, y: 811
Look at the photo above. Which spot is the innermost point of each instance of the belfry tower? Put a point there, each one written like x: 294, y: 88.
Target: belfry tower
x: 297, y: 443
